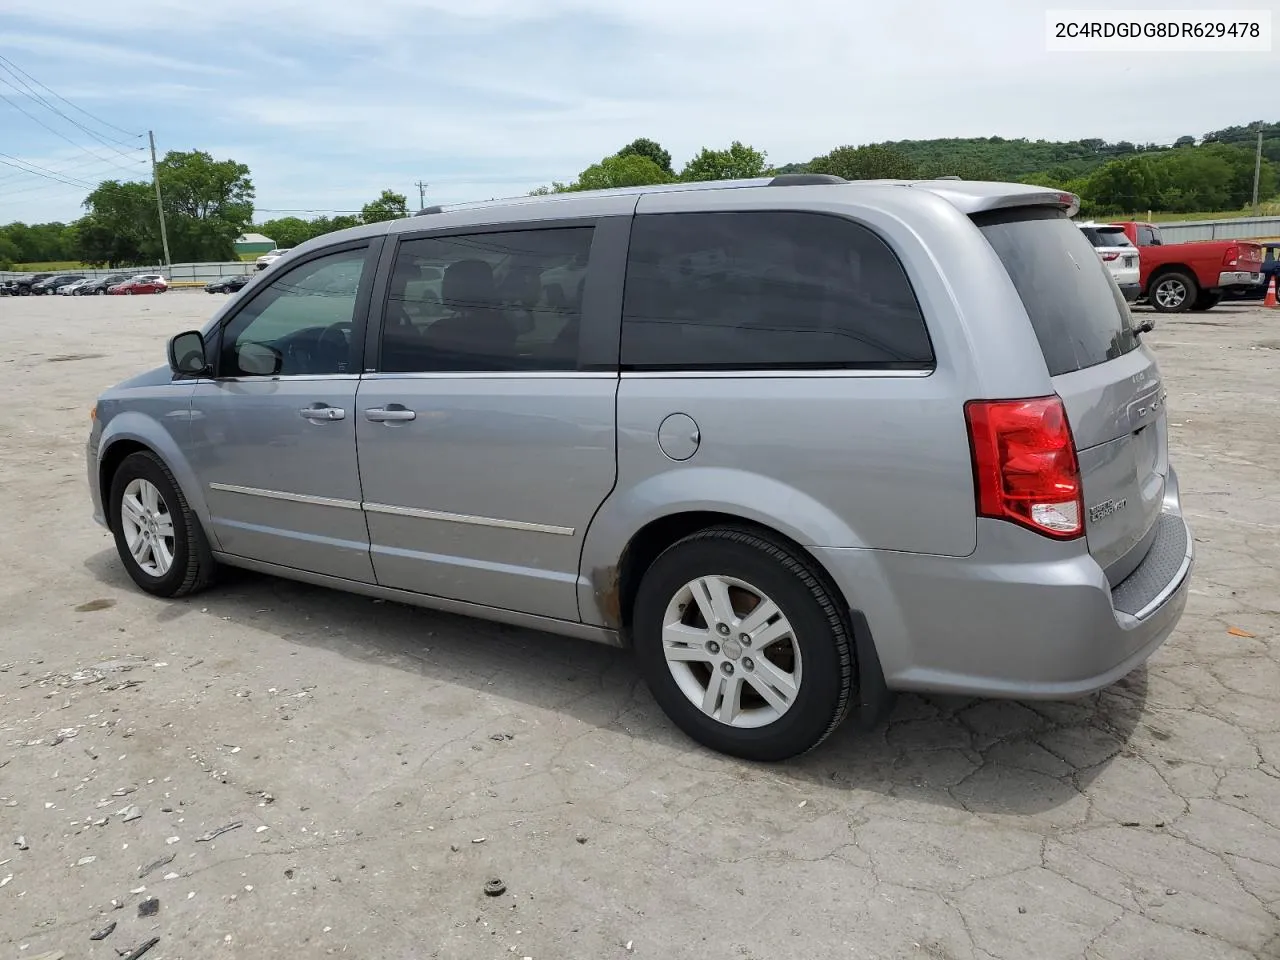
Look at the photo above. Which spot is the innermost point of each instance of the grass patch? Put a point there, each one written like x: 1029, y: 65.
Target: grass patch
x: 52, y: 266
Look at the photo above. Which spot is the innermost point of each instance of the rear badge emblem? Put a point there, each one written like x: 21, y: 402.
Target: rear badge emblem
x: 1105, y: 509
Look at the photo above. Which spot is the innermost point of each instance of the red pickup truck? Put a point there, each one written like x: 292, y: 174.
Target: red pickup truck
x: 1191, y: 276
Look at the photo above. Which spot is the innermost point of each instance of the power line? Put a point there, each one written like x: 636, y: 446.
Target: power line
x: 31, y: 93
x: 61, y: 167
x: 39, y: 171
x: 59, y: 133
x: 105, y: 123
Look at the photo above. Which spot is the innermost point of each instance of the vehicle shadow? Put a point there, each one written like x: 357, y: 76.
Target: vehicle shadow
x: 970, y: 754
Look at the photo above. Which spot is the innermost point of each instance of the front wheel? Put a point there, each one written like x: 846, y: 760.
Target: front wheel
x: 744, y: 645
x: 159, y: 540
x: 1173, y: 293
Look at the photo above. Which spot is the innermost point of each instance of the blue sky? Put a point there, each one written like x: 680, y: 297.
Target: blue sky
x: 330, y: 101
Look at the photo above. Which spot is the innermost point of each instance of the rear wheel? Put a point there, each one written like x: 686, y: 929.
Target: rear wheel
x: 744, y: 645
x: 159, y: 540
x: 1173, y: 292
x: 1206, y: 301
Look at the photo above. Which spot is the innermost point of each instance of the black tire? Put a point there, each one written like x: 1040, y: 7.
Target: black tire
x: 1173, y: 292
x: 193, y: 565
x: 819, y: 626
x: 101, y: 292
x: 1206, y: 301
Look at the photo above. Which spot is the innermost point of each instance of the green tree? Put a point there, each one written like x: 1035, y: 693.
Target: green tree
x: 8, y: 252
x: 621, y: 170
x: 208, y: 204
x: 738, y: 162
x: 1185, y: 142
x: 122, y: 225
x: 872, y: 162
x: 644, y: 147
x: 288, y: 232
x: 389, y: 206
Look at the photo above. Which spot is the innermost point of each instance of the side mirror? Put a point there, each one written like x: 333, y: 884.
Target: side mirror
x: 186, y: 354
x: 1145, y: 325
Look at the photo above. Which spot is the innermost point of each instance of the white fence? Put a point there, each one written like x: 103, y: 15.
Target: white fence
x: 1237, y: 228
x: 178, y: 273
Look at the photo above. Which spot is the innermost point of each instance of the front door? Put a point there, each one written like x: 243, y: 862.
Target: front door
x: 484, y: 449
x: 274, y: 429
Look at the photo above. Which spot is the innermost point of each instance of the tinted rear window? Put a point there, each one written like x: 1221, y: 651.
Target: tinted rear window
x: 767, y: 290
x: 1078, y: 313
x: 1106, y: 236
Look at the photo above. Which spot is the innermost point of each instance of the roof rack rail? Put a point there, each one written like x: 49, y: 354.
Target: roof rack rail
x: 804, y: 179
x: 429, y: 210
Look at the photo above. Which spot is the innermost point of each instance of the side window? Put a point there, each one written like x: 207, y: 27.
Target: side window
x: 300, y: 323
x: 768, y: 290
x: 486, y: 302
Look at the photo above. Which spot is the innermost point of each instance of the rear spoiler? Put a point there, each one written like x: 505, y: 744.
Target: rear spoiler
x: 973, y: 198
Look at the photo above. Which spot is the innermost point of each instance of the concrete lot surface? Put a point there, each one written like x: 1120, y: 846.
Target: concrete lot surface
x: 380, y: 764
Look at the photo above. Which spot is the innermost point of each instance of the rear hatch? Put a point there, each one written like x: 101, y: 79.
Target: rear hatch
x: 1108, y: 381
x: 1113, y: 246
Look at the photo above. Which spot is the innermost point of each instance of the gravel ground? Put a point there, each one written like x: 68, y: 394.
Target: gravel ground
x: 379, y: 764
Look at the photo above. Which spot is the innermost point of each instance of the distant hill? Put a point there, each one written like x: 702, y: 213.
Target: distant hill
x: 1058, y: 159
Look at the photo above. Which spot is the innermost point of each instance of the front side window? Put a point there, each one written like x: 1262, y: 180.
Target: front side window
x: 491, y: 302
x: 767, y: 290
x: 298, y: 324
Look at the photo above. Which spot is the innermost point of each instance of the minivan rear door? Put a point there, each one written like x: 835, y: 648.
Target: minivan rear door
x: 1107, y: 379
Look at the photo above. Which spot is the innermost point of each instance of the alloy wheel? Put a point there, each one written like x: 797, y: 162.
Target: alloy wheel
x: 147, y: 525
x: 731, y: 651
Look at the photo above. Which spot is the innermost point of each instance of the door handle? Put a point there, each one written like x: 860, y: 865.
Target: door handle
x: 323, y: 414
x: 389, y: 414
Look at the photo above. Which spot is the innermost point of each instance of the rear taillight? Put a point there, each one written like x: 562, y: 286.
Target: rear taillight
x: 1110, y: 256
x: 1232, y: 256
x: 1024, y: 464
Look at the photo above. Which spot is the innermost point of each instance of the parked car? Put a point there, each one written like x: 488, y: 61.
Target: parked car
x: 21, y: 287
x: 142, y: 284
x: 75, y: 288
x: 49, y: 285
x: 100, y: 285
x: 823, y: 441
x: 267, y: 259
x: 1270, y: 271
x: 227, y: 284
x: 1119, y: 254
x: 1195, y: 275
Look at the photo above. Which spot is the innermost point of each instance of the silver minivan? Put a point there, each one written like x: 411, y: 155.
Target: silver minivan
x: 799, y: 442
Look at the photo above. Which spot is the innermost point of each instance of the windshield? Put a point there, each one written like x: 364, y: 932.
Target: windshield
x: 1078, y: 313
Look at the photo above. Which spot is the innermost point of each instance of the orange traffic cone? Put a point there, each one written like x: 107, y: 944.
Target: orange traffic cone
x: 1270, y: 299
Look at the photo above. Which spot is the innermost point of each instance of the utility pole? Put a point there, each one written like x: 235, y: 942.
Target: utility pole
x: 422, y: 194
x: 155, y: 178
x: 1257, y: 175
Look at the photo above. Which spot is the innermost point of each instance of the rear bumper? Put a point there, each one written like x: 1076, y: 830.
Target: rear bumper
x: 1238, y: 278
x: 1021, y: 616
x: 1131, y: 291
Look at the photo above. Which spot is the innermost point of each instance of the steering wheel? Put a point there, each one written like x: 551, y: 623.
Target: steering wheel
x: 336, y: 337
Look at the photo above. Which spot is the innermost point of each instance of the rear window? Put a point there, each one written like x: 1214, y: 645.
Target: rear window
x: 1078, y: 313
x: 1106, y: 236
x: 767, y: 290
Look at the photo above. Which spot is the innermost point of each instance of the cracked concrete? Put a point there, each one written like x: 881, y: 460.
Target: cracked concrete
x: 356, y: 742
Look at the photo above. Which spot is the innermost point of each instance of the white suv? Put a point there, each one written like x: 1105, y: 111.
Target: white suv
x: 267, y: 259
x: 1121, y: 257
